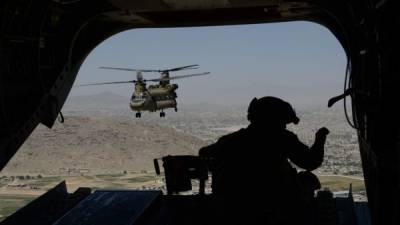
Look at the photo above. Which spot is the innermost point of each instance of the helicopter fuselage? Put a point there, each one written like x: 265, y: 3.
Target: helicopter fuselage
x: 153, y: 98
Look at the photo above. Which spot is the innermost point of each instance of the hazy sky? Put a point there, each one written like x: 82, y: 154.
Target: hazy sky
x: 301, y: 62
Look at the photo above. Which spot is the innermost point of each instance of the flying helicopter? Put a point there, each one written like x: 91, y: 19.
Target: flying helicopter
x: 154, y: 97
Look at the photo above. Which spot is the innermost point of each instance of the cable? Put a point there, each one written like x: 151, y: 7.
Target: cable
x: 61, y: 118
x: 347, y: 85
x: 348, y: 73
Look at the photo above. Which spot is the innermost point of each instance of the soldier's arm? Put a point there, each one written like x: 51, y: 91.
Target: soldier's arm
x: 207, y: 151
x: 305, y: 157
x: 214, y: 150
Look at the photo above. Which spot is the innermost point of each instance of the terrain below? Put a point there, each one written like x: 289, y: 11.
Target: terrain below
x: 98, y: 145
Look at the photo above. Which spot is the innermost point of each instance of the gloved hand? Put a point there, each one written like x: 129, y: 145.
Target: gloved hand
x: 322, y: 132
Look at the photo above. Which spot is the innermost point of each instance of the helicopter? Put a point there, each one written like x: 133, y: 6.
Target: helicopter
x: 154, y: 97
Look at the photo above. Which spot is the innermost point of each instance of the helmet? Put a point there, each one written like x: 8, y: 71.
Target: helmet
x: 271, y: 109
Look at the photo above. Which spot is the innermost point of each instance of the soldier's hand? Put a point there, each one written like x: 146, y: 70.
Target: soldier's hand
x: 322, y: 132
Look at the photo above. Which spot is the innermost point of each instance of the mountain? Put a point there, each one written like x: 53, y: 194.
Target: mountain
x: 95, y: 101
x: 99, y: 145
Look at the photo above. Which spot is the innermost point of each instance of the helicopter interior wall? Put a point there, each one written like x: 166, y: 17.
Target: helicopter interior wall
x: 43, y: 44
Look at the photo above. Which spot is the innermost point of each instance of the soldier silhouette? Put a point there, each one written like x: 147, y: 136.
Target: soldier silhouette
x: 253, y: 180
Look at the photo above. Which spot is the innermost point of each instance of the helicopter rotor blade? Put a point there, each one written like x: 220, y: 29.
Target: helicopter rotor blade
x: 127, y: 69
x: 188, y: 75
x: 195, y: 66
x: 116, y: 82
x: 178, y: 77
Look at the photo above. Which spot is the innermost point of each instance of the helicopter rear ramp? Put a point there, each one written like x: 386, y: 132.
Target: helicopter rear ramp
x: 138, y: 207
x: 111, y: 207
x: 49, y: 207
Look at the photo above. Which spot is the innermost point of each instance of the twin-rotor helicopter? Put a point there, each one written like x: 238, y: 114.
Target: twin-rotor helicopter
x: 154, y: 97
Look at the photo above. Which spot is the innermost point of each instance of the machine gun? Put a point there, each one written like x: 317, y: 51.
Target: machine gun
x: 179, y: 172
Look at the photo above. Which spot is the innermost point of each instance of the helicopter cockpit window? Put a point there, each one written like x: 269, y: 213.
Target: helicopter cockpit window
x: 140, y: 97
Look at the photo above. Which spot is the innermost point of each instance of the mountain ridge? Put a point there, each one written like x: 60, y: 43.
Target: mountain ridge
x: 99, y: 145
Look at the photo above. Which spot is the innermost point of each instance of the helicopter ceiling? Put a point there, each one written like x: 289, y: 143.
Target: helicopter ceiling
x: 151, y: 80
x: 151, y: 70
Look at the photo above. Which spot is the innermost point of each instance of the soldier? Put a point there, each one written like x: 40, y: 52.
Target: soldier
x: 251, y: 168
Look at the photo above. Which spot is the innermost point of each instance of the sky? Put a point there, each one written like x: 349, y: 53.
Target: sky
x: 301, y: 62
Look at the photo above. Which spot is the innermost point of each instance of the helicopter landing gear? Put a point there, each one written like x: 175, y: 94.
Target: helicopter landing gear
x: 162, y: 114
x: 138, y: 115
x: 176, y: 109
